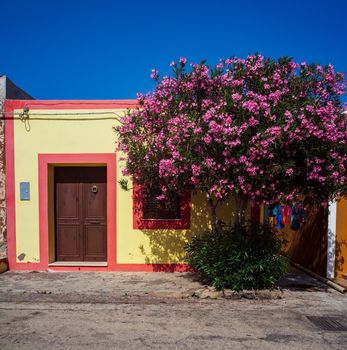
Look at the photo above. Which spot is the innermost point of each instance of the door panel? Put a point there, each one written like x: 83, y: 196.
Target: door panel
x: 95, y: 243
x: 68, y: 207
x: 94, y: 194
x: 68, y: 243
x: 80, y: 209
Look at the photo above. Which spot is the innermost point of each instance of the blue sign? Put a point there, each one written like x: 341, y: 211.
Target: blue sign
x: 25, y: 191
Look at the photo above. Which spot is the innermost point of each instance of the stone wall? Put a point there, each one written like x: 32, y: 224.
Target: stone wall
x: 3, y: 245
x: 11, y: 91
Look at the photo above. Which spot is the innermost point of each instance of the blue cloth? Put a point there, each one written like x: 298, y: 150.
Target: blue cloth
x: 278, y: 214
x: 295, y: 218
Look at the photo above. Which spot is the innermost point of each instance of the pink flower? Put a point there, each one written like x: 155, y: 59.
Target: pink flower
x: 288, y: 115
x: 209, y: 162
x: 154, y: 74
x: 175, y: 154
x: 241, y: 180
x: 276, y: 76
x: 289, y: 172
x: 194, y: 180
x: 207, y: 139
x: 166, y: 167
x: 290, y: 197
x: 196, y: 170
x: 252, y: 106
x: 236, y: 97
x: 125, y: 172
x: 197, y: 130
x: 243, y: 159
x: 183, y: 61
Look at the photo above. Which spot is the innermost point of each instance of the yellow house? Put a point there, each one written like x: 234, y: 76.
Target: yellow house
x: 65, y: 209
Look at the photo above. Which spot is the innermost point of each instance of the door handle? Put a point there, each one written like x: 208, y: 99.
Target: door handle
x: 93, y: 222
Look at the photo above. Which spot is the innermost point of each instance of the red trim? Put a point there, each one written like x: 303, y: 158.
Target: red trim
x: 72, y: 104
x: 129, y: 268
x: 138, y: 223
x: 109, y: 159
x: 116, y: 267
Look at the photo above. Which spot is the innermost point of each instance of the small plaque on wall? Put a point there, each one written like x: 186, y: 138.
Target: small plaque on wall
x: 24, y: 191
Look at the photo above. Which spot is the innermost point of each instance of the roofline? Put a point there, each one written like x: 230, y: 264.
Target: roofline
x: 72, y: 104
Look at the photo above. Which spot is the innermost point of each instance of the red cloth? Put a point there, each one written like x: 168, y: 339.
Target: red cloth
x: 287, y: 212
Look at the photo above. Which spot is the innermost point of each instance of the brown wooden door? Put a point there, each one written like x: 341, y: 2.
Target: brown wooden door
x: 80, y: 213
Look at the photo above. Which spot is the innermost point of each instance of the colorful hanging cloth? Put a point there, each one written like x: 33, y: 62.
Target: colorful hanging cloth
x: 287, y: 212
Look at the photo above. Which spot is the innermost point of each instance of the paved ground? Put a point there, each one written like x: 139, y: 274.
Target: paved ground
x: 50, y: 310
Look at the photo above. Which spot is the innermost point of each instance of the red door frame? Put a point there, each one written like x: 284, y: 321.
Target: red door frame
x: 108, y: 159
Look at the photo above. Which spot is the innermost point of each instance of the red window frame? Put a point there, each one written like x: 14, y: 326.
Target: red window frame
x: 178, y: 224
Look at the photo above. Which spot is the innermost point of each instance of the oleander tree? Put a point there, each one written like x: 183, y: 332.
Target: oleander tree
x: 255, y: 129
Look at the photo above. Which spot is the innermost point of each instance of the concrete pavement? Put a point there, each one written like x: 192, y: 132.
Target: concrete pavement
x: 163, y: 311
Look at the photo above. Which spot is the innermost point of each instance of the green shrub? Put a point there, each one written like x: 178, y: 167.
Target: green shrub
x: 240, y: 257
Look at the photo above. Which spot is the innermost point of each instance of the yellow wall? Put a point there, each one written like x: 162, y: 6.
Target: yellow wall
x: 341, y: 238
x: 90, y: 136
x: 308, y: 245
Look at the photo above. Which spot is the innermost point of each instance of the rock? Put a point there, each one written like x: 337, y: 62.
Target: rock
x: 207, y: 293
x: 265, y: 294
x: 3, y: 265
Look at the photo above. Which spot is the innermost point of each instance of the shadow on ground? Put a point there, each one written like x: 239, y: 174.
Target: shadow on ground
x: 294, y: 281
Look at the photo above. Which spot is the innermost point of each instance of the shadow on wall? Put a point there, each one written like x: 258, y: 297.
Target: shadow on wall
x: 167, y: 246
x: 341, y: 246
x: 341, y: 238
x: 308, y: 245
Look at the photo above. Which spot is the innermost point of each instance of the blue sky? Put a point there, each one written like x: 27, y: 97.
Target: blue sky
x: 105, y: 49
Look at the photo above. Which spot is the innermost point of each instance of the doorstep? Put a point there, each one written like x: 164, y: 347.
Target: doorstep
x: 79, y: 263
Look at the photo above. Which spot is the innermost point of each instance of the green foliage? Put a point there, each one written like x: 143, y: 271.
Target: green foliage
x: 124, y: 184
x: 240, y: 257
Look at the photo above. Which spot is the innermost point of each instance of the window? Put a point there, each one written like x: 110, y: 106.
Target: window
x: 166, y: 209
x: 151, y: 213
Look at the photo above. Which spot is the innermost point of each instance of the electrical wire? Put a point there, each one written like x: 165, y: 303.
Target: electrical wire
x: 46, y: 116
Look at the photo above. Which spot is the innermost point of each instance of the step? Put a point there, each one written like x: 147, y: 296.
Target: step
x: 79, y: 263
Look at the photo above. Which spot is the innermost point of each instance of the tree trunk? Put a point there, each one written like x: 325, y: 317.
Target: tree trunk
x: 244, y: 203
x: 214, y: 218
x: 240, y: 207
x: 236, y: 208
